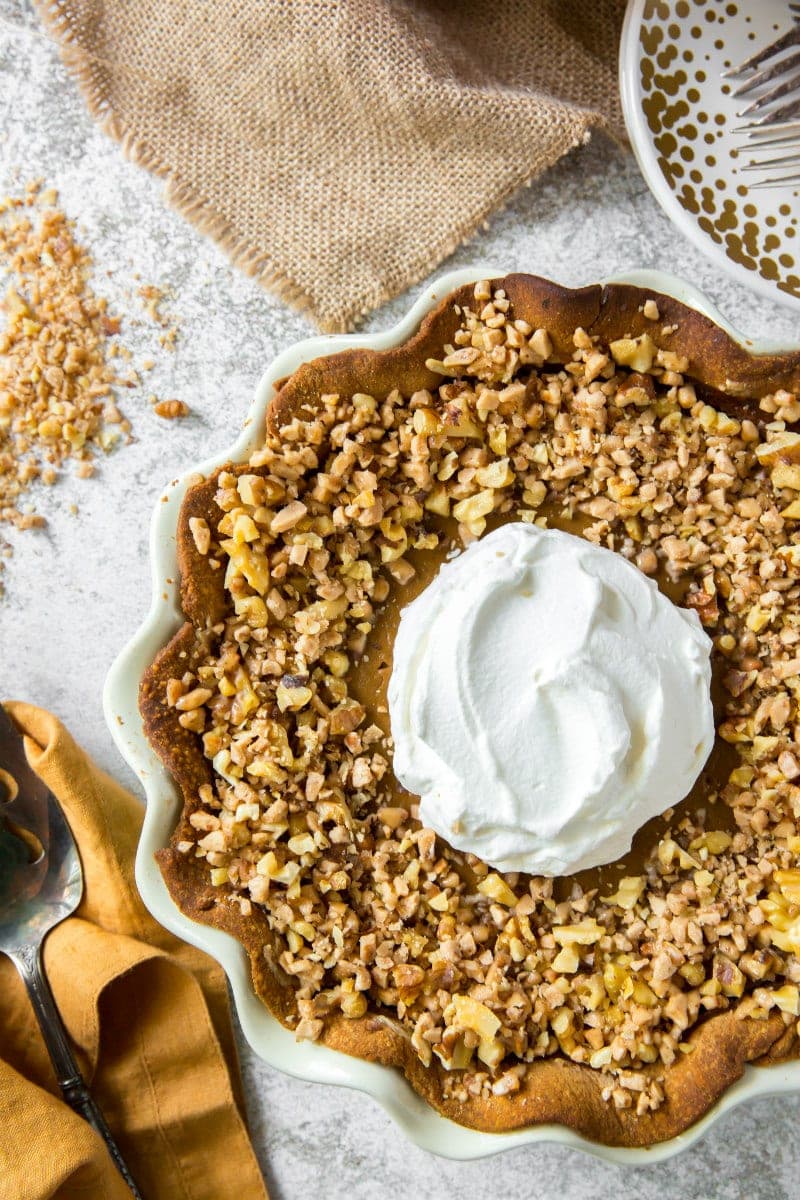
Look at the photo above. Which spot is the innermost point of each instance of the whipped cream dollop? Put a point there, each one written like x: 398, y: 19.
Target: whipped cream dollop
x: 546, y: 700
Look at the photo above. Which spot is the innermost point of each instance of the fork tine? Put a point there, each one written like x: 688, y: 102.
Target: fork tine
x: 768, y: 135
x: 784, y: 160
x: 774, y: 183
x: 768, y: 73
x: 775, y: 93
x: 787, y: 143
x: 775, y: 115
x: 790, y: 38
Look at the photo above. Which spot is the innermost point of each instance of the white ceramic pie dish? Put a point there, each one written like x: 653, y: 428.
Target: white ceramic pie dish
x: 267, y: 1037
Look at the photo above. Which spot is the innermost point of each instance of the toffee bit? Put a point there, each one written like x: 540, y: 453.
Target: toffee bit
x: 171, y: 409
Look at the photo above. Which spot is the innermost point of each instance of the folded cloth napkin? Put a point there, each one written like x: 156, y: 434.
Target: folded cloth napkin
x: 340, y: 149
x: 147, y: 1015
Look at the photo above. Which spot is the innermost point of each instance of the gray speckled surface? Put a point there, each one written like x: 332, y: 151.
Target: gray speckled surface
x: 77, y: 591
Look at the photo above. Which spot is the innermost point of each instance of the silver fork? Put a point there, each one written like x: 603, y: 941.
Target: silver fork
x: 41, y: 883
x: 773, y: 127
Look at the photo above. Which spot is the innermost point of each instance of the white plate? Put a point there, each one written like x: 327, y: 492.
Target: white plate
x: 268, y: 1038
x: 681, y: 115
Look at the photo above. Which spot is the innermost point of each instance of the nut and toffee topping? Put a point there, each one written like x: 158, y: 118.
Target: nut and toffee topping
x: 334, y: 522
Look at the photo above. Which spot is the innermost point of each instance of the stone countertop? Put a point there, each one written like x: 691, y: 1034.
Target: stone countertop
x: 76, y: 591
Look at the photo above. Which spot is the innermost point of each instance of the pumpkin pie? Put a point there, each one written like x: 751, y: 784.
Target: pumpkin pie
x: 621, y: 1001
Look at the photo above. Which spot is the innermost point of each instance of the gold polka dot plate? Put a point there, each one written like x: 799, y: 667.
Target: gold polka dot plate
x: 681, y: 114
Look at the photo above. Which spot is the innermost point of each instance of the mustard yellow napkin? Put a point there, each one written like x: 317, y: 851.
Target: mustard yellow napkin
x: 147, y: 1015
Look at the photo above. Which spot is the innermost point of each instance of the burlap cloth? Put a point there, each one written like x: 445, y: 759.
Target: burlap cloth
x: 340, y: 149
x: 147, y: 1016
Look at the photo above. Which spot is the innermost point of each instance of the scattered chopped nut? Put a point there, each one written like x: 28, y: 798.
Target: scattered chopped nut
x: 171, y: 409
x: 57, y: 378
x: 56, y: 384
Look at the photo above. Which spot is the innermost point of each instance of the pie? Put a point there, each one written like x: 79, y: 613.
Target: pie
x: 622, y: 1001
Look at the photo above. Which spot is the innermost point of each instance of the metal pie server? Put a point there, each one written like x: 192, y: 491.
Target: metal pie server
x: 41, y: 883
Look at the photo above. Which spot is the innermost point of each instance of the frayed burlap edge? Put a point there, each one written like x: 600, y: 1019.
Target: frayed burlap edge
x: 240, y: 250
x: 184, y: 199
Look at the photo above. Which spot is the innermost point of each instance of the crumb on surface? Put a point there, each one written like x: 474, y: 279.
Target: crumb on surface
x: 56, y: 381
x: 59, y: 353
x: 171, y: 409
